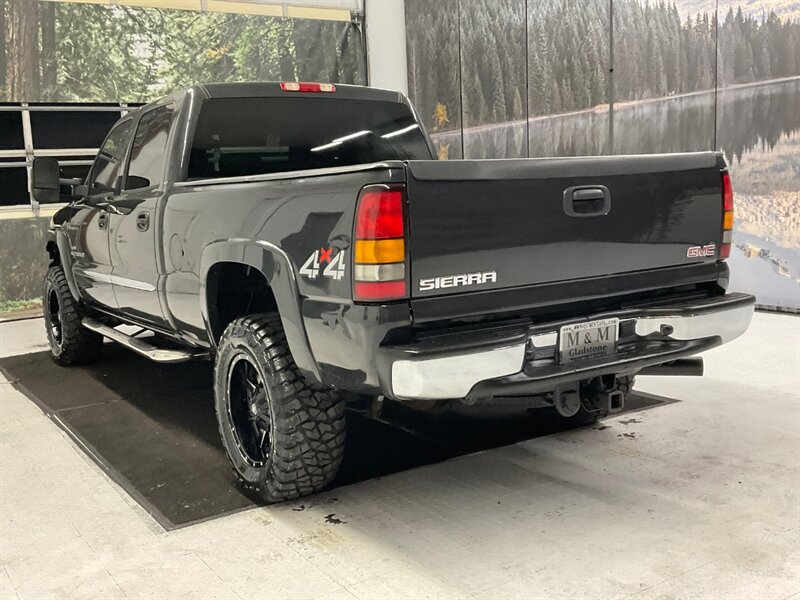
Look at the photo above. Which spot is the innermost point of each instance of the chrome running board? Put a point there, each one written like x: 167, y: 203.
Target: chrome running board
x: 159, y: 355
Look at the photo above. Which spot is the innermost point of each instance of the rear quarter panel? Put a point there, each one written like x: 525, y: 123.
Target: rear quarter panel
x: 300, y: 215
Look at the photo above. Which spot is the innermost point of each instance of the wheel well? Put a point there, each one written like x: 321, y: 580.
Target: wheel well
x: 52, y: 251
x: 235, y: 290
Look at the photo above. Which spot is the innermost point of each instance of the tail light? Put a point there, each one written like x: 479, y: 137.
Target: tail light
x: 727, y: 215
x: 379, y: 257
x: 304, y: 86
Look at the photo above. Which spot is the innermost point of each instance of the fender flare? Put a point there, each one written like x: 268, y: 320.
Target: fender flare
x: 276, y: 267
x: 64, y: 254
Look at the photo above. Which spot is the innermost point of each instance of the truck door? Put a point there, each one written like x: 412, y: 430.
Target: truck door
x: 135, y: 222
x: 87, y: 229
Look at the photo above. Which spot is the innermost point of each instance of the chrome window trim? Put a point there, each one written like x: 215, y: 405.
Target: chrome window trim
x: 198, y: 183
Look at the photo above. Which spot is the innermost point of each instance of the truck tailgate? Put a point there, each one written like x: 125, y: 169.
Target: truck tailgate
x: 496, y: 224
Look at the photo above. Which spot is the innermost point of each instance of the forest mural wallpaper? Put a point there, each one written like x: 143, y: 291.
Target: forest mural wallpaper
x: 490, y: 78
x: 74, y: 52
x: 517, y: 78
x: 83, y: 53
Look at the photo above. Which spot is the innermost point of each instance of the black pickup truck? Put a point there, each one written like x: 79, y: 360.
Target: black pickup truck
x: 302, y: 237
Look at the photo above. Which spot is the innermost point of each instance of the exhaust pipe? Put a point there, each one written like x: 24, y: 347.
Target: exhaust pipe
x: 688, y: 367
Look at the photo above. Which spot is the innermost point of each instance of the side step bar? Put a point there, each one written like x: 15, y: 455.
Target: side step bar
x: 159, y: 355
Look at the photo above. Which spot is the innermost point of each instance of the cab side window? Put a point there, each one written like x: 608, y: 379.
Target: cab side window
x: 146, y: 166
x: 108, y: 164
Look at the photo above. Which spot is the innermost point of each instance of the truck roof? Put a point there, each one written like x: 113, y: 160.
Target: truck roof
x: 267, y: 89
x: 256, y: 89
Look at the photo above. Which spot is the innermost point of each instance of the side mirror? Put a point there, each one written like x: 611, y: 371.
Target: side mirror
x: 134, y: 182
x: 46, y: 186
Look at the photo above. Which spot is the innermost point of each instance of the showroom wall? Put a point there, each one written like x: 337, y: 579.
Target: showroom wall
x: 80, y: 64
x: 63, y: 51
x: 491, y: 78
x: 516, y: 78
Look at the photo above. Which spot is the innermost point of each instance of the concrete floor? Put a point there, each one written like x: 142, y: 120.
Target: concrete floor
x: 694, y: 499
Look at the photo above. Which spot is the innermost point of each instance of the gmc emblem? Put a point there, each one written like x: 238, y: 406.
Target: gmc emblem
x: 701, y: 251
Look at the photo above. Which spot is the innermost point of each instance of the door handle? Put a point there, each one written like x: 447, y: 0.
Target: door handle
x: 102, y: 220
x: 587, y: 201
x: 143, y: 221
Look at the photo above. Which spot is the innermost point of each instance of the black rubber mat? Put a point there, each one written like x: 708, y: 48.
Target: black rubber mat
x: 152, y: 428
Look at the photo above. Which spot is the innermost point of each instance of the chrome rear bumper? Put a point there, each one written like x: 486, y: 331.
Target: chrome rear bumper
x: 527, y: 359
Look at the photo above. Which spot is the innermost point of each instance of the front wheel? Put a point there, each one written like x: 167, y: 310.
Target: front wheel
x: 70, y: 342
x: 284, y: 437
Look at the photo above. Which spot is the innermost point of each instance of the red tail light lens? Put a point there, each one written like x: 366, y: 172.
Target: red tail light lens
x: 379, y: 267
x: 727, y: 192
x: 380, y: 215
x: 379, y: 290
x: 727, y: 216
x: 304, y: 86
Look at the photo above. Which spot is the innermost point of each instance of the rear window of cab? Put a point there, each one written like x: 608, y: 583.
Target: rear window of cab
x: 235, y: 137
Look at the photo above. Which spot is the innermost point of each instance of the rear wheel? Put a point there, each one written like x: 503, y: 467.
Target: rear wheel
x: 284, y: 437
x: 70, y: 342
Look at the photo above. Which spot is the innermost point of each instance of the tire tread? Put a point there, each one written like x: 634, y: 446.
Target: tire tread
x: 79, y: 345
x: 308, y: 421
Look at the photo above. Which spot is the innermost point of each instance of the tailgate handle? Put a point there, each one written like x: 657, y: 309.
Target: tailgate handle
x: 587, y: 201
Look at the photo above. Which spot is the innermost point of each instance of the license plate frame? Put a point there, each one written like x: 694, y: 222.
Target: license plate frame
x: 588, y: 339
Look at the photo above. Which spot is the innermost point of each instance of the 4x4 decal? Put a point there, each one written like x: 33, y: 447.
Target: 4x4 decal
x: 334, y: 264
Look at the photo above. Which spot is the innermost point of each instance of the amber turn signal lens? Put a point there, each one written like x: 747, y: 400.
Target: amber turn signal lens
x: 380, y: 251
x: 727, y: 222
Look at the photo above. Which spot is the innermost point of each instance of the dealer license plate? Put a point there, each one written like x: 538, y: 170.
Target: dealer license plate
x: 592, y: 339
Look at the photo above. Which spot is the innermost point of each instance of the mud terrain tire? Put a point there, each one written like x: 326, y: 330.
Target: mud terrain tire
x: 283, y: 436
x: 70, y: 342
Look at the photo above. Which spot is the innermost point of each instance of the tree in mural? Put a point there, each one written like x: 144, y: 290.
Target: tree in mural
x: 82, y: 52
x: 433, y: 64
x: 21, y: 48
x: 657, y: 54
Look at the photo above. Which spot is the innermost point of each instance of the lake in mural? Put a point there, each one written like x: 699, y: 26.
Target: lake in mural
x: 759, y: 132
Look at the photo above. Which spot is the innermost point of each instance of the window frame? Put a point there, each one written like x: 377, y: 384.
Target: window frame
x: 90, y: 177
x: 182, y: 175
x: 137, y: 122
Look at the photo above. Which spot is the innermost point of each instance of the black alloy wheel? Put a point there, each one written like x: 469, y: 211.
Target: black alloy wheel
x: 248, y: 411
x: 52, y: 316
